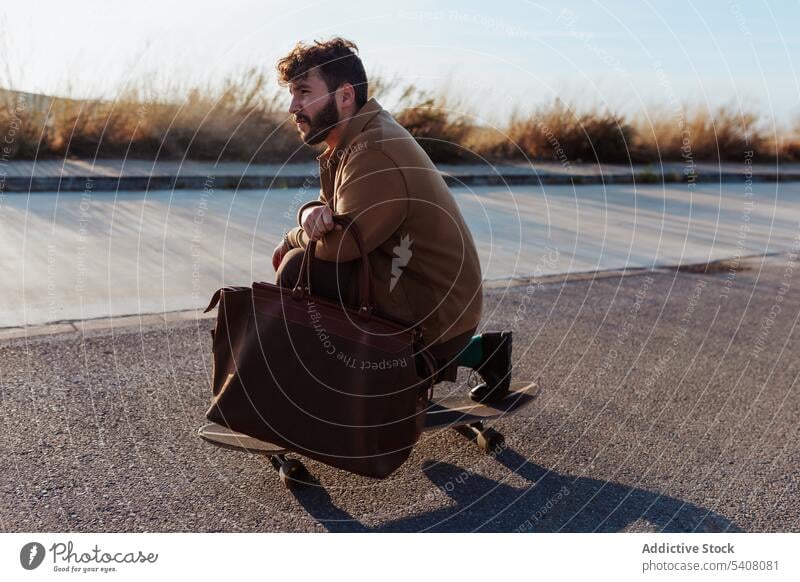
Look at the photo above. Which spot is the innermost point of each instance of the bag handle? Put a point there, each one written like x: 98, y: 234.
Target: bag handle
x: 365, y: 285
x: 218, y: 295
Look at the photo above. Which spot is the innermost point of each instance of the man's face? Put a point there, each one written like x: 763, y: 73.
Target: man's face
x: 313, y: 107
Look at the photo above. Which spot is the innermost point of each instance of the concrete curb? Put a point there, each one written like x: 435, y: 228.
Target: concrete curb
x: 493, y: 286
x: 260, y: 182
x: 103, y: 324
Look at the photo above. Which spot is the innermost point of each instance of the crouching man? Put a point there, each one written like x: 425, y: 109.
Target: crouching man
x: 423, y: 259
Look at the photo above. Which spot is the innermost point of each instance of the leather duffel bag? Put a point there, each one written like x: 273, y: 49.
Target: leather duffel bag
x: 339, y: 384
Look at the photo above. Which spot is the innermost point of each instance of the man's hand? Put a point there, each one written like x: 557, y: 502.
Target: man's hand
x: 277, y: 254
x: 317, y: 221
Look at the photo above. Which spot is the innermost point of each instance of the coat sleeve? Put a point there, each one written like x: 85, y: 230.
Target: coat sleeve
x: 373, y: 195
x: 297, y: 238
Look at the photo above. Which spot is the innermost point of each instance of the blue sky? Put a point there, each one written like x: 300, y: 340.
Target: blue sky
x: 494, y: 55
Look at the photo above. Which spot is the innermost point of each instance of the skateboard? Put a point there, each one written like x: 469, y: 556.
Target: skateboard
x: 453, y: 411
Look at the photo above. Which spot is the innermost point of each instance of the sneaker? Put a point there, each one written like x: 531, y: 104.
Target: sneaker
x: 495, y: 368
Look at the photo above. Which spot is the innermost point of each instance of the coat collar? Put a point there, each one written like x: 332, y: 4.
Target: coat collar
x: 355, y: 125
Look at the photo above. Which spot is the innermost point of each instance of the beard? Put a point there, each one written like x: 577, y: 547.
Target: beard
x: 321, y: 124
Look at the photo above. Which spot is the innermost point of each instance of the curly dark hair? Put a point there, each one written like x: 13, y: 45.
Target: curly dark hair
x: 335, y: 60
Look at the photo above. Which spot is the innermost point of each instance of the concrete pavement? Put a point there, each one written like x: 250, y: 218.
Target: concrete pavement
x: 72, y: 257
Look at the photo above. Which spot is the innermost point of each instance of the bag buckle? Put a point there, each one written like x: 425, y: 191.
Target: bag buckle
x: 365, y: 312
x: 299, y: 291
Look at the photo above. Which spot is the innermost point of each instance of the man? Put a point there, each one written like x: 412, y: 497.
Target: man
x: 424, y: 264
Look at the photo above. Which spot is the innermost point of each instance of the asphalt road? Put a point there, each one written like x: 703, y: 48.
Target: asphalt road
x: 670, y: 403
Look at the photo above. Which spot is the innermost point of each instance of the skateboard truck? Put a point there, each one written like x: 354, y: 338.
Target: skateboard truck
x: 291, y: 471
x: 487, y: 438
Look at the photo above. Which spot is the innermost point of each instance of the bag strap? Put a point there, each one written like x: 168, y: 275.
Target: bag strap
x: 430, y: 363
x: 365, y: 284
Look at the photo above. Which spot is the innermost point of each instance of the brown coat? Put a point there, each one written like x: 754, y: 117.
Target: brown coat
x: 425, y: 266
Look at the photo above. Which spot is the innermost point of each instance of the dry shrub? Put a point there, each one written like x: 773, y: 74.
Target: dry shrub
x: 789, y: 150
x: 787, y: 143
x: 698, y: 133
x: 437, y: 122
x: 21, y: 124
x: 559, y: 132
x: 243, y: 119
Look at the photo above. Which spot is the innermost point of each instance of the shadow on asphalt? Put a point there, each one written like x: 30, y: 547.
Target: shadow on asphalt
x: 552, y: 502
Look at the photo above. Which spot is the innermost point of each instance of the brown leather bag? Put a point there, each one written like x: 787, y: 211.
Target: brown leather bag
x: 341, y: 385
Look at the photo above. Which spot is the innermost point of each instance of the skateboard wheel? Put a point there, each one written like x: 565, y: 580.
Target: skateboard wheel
x: 489, y: 440
x: 291, y: 472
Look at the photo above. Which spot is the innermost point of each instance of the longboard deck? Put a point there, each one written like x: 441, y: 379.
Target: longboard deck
x: 459, y: 410
x: 222, y: 435
x: 449, y: 412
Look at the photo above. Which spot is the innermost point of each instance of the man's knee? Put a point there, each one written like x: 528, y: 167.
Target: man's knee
x: 289, y: 269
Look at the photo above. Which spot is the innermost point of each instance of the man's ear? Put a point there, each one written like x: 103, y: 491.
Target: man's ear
x: 347, y: 96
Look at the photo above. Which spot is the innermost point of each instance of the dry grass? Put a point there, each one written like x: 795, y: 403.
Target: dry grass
x: 787, y: 143
x: 700, y: 134
x: 438, y: 122
x: 244, y: 119
x: 560, y: 133
x: 240, y: 120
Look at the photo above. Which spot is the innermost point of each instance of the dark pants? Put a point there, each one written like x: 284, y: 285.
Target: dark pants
x: 446, y: 354
x: 324, y: 281
x: 339, y: 282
